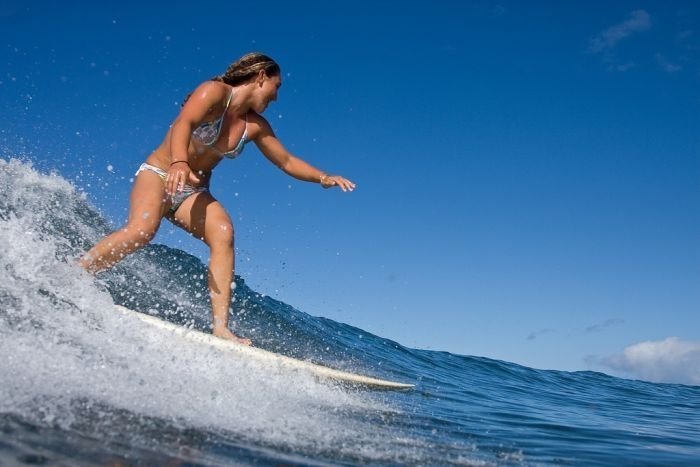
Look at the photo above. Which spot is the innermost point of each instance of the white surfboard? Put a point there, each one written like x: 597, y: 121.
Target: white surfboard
x: 265, y: 356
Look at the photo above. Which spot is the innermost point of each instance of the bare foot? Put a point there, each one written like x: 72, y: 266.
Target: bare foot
x: 228, y: 335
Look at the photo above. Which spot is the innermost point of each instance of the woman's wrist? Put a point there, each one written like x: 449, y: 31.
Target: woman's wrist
x: 322, y: 177
x: 178, y: 162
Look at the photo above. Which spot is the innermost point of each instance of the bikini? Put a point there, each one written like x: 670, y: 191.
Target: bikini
x: 207, y: 134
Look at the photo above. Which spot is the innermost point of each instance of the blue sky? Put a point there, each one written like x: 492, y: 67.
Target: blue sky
x: 528, y: 173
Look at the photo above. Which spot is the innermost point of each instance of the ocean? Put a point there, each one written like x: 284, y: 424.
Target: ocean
x: 82, y: 385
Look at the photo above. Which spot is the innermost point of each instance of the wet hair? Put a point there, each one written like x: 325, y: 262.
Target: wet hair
x: 246, y: 68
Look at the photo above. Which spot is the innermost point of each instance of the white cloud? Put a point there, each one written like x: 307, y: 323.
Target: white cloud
x: 535, y: 334
x: 671, y: 360
x: 667, y: 66
x: 605, y: 324
x: 684, y: 35
x: 638, y: 21
x: 623, y: 67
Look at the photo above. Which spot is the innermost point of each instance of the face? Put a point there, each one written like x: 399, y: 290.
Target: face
x: 266, y: 88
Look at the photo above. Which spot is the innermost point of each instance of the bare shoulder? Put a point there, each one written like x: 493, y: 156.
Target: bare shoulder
x: 211, y: 91
x: 206, y: 100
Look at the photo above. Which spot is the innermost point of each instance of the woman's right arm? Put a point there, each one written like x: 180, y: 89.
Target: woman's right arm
x: 193, y: 113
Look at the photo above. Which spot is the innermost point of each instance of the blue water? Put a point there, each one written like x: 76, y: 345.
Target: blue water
x: 81, y: 385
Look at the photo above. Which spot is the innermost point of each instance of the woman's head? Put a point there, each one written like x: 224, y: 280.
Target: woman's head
x: 248, y: 68
x: 253, y: 68
x: 257, y: 70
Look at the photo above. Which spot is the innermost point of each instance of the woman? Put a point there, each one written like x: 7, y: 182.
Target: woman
x: 215, y: 122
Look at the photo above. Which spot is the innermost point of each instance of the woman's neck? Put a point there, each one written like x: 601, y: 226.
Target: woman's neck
x: 240, y: 101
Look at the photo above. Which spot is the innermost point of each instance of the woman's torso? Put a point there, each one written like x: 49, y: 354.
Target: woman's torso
x: 222, y: 135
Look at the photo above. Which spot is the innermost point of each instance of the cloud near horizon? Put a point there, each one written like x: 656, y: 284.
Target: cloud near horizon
x: 535, y: 334
x: 671, y: 360
x: 605, y: 324
x: 638, y: 21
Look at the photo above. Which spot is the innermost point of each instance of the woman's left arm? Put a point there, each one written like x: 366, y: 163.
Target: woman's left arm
x: 271, y: 147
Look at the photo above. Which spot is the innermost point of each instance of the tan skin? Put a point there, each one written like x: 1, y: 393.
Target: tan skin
x: 188, y: 161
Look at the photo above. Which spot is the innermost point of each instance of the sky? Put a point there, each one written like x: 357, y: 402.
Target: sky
x: 527, y: 173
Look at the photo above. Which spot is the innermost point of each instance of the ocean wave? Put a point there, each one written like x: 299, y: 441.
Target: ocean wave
x: 82, y: 385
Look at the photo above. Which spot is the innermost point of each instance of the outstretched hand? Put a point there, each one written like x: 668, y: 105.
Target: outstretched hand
x: 328, y: 181
x: 178, y: 175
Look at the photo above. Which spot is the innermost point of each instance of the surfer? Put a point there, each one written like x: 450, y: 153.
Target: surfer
x: 215, y: 122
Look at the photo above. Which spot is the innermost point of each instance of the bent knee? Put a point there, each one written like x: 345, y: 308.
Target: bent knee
x: 220, y: 235
x: 139, y: 232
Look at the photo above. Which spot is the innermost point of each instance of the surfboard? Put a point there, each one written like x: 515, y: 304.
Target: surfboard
x: 265, y: 356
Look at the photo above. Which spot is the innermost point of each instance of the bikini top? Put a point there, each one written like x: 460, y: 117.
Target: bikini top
x: 208, y: 133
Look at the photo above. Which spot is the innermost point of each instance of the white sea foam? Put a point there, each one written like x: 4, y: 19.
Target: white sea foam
x: 61, y: 342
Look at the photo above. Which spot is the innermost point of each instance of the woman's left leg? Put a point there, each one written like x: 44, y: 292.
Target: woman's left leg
x: 205, y: 218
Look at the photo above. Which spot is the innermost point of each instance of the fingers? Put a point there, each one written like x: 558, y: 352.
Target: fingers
x: 343, y: 183
x: 349, y: 186
x: 175, y: 181
x: 171, y: 183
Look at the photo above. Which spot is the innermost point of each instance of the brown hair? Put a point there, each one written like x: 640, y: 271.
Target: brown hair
x: 248, y: 67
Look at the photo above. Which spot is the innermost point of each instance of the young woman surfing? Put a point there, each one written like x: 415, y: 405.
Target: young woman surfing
x: 215, y: 123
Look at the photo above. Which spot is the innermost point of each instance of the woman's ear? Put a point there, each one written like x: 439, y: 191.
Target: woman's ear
x: 261, y: 78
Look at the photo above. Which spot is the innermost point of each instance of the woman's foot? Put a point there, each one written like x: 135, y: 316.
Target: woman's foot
x: 228, y: 335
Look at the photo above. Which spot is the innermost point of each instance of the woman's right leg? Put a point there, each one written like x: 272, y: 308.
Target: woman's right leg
x: 148, y: 205
x: 205, y: 218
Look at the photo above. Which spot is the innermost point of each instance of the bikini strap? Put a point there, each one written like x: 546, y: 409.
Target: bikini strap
x: 220, y: 121
x: 230, y: 96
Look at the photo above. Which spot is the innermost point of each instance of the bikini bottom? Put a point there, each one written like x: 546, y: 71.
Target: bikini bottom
x: 177, y: 198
